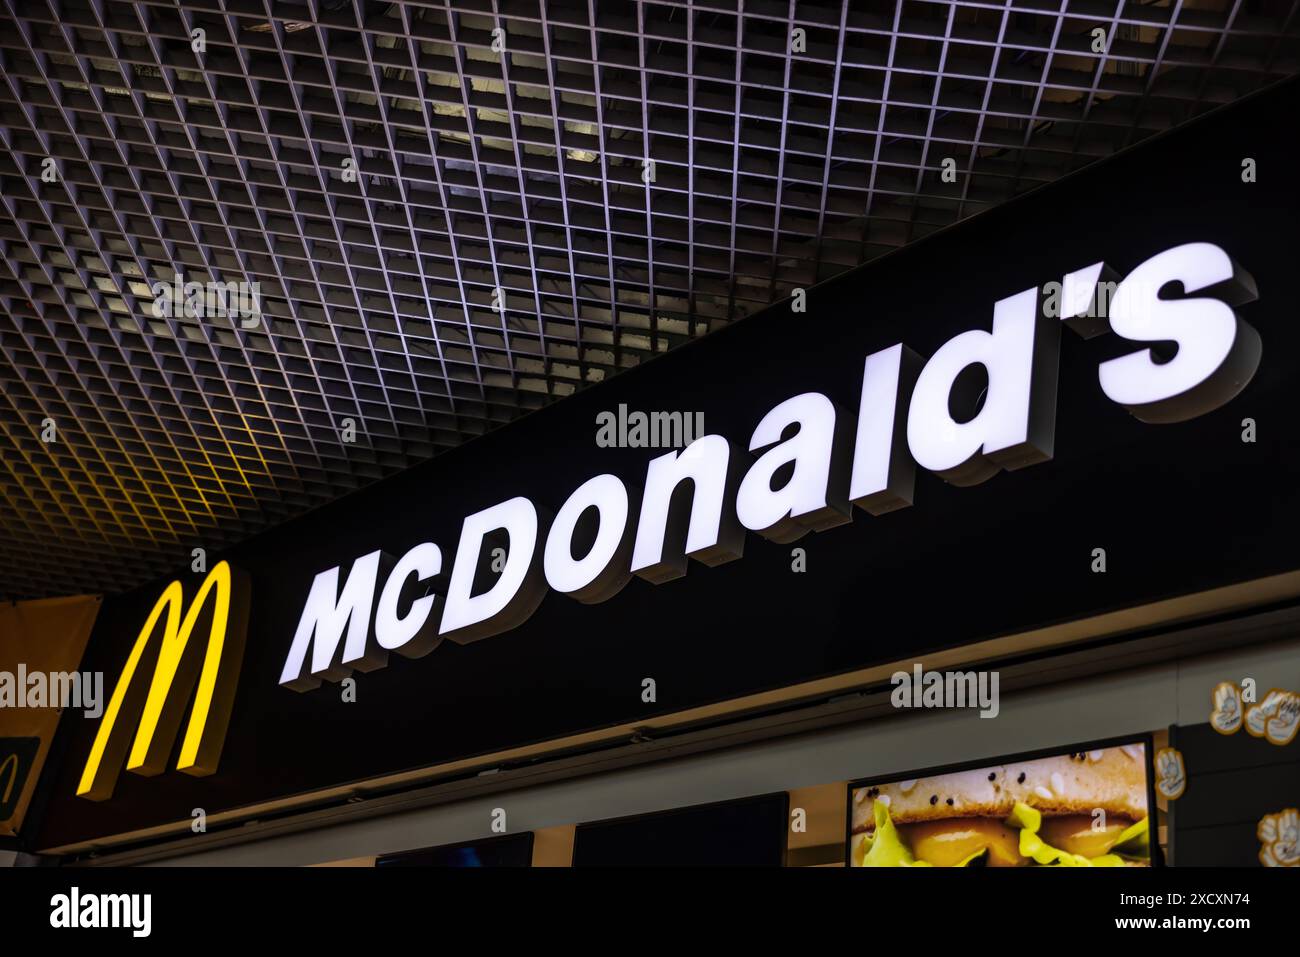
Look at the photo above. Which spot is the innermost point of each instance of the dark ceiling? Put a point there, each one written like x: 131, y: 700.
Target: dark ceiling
x: 491, y: 171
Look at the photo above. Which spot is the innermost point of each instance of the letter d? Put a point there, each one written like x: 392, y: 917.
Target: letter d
x: 519, y: 589
x: 1015, y: 421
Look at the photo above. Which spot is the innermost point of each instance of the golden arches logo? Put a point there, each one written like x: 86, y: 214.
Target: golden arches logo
x: 176, y: 669
x: 10, y: 765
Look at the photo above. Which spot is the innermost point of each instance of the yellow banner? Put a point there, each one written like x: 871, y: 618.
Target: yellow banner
x: 38, y: 639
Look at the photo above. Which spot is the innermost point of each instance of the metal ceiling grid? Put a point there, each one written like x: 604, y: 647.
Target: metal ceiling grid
x: 450, y: 226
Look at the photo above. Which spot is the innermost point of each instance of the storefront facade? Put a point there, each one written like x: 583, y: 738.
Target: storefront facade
x: 1007, y: 449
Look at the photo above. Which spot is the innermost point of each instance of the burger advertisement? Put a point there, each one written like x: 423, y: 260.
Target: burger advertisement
x: 1087, y: 807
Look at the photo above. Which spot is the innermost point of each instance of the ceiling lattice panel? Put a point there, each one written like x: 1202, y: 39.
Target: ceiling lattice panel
x: 457, y: 212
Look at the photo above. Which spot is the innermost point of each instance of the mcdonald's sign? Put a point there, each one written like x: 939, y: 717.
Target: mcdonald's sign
x: 147, y: 717
x: 17, y: 755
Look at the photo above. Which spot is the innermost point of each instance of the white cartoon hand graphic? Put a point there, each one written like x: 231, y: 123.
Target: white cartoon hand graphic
x: 1279, y: 836
x: 1172, y: 780
x: 1281, y: 728
x: 1259, y: 714
x: 1226, y: 716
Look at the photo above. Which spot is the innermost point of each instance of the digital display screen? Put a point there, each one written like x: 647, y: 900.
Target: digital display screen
x: 1080, y: 808
x: 514, y: 850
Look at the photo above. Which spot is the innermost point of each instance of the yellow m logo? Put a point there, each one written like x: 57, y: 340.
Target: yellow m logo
x: 175, y: 664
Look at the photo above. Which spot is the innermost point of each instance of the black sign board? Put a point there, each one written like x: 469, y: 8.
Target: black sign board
x: 1178, y: 508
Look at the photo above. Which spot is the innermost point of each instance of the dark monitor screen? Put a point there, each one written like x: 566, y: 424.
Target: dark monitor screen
x: 748, y: 833
x: 512, y: 850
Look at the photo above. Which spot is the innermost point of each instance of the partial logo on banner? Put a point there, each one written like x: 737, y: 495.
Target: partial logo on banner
x: 17, y: 758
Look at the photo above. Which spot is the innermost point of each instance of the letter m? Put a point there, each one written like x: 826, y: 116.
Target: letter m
x: 179, y: 668
x: 324, y: 618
